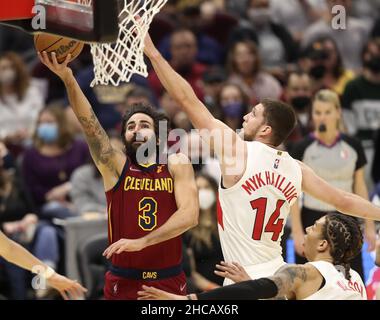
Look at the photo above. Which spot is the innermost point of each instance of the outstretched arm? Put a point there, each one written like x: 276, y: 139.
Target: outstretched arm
x: 184, y: 218
x: 228, y: 146
x: 288, y: 282
x: 343, y: 201
x: 108, y: 160
x: 14, y: 253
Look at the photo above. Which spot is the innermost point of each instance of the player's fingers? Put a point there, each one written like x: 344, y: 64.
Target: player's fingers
x: 54, y: 59
x: 64, y: 295
x: 228, y: 268
x: 237, y: 266
x: 222, y: 274
x: 46, y: 59
x: 67, y: 60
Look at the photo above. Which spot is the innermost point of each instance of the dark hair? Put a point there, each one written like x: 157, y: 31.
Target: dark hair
x: 320, y: 42
x: 373, y: 41
x: 149, y: 111
x: 22, y: 80
x: 252, y: 47
x: 65, y: 135
x: 345, y: 239
x: 201, y: 235
x: 281, y: 117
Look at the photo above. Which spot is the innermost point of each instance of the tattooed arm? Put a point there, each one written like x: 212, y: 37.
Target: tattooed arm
x: 290, y: 281
x: 108, y: 160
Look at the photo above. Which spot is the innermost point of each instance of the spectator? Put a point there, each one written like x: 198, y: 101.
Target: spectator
x: 189, y: 17
x: 213, y: 80
x: 350, y: 40
x: 183, y: 49
x: 325, y: 65
x: 362, y: 95
x: 20, y: 101
x: 335, y: 157
x: 276, y: 45
x: 244, y: 67
x: 233, y: 105
x: 298, y: 94
x: 202, y: 241
x: 297, y: 15
x: 49, y: 163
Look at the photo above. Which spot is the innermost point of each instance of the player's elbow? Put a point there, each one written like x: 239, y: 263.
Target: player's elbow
x: 192, y: 217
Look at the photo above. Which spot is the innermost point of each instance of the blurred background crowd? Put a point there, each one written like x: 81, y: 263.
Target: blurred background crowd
x: 234, y: 53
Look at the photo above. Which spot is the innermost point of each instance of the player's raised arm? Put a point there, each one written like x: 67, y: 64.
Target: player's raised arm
x: 108, y: 160
x: 222, y: 139
x: 343, y: 201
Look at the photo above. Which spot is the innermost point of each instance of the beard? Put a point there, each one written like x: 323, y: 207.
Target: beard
x: 140, y: 152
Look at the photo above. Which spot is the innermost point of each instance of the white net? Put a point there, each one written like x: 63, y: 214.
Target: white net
x: 115, y: 63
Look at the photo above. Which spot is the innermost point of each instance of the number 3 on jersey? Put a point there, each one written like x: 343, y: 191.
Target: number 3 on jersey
x: 147, y: 214
x: 260, y: 205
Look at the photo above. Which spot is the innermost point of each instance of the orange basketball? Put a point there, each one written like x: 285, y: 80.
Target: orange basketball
x: 60, y: 45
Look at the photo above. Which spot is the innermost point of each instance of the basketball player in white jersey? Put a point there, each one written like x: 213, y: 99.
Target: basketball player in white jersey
x: 259, y: 183
x: 16, y: 254
x: 332, y: 241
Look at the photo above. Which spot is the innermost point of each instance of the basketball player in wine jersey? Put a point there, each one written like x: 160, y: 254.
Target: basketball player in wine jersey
x: 149, y: 204
x: 259, y: 182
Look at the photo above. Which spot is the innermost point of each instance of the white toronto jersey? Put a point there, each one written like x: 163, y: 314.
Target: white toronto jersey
x: 252, y: 213
x: 337, y: 287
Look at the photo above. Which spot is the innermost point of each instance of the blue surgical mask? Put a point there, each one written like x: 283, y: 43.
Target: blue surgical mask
x: 48, y: 132
x: 234, y: 109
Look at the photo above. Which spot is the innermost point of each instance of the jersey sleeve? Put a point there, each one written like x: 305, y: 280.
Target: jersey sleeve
x: 358, y: 147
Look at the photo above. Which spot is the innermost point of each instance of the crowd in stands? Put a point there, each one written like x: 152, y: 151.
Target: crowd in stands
x: 234, y: 53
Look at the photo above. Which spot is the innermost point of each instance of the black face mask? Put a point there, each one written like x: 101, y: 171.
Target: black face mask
x: 373, y: 64
x: 300, y: 103
x: 322, y: 128
x: 318, y: 72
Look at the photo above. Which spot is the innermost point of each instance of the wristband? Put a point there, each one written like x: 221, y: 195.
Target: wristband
x: 49, y: 272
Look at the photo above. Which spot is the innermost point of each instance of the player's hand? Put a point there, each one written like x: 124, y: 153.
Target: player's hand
x: 124, y: 245
x: 232, y: 271
x: 66, y: 287
x: 150, y: 293
x: 60, y: 69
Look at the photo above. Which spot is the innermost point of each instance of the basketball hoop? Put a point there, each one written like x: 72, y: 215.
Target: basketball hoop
x: 115, y: 63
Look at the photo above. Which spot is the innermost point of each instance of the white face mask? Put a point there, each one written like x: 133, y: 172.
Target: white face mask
x: 7, y: 76
x: 206, y: 198
x: 259, y: 16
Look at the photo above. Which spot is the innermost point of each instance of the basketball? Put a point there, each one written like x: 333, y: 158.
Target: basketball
x: 60, y: 45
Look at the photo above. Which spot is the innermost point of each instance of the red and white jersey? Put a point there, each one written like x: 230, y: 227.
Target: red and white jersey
x: 337, y: 287
x: 252, y: 213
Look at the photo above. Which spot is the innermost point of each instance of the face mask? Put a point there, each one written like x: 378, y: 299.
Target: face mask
x: 233, y: 110
x: 48, y: 132
x: 7, y: 76
x: 206, y: 198
x: 322, y: 128
x: 373, y: 64
x: 300, y: 103
x: 318, y: 72
x: 260, y: 16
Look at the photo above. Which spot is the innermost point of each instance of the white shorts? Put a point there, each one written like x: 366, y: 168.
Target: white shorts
x: 261, y: 270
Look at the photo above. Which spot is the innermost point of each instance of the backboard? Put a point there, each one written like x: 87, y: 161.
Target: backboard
x: 85, y: 20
